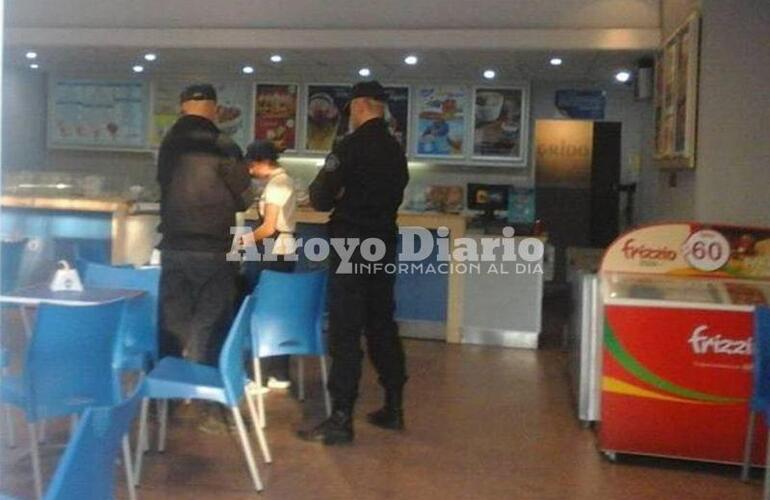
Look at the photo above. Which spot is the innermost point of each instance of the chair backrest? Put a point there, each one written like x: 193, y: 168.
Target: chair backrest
x: 760, y: 400
x: 288, y: 313
x: 232, y: 358
x: 141, y: 319
x: 69, y: 359
x: 10, y: 256
x: 87, y: 468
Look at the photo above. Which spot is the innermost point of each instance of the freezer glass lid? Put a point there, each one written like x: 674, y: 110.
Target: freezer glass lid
x: 665, y: 288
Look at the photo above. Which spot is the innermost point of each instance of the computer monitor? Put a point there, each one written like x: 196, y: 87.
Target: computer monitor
x: 488, y: 198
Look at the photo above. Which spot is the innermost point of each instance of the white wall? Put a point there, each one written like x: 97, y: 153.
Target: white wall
x: 733, y: 172
x: 732, y: 175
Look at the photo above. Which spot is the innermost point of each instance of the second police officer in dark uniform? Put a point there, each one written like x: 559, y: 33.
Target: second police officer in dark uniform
x: 362, y: 182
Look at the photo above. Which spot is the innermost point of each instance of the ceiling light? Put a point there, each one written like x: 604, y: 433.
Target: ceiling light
x: 31, y: 55
x: 150, y: 57
x: 276, y: 58
x: 365, y: 72
x: 138, y: 68
x: 247, y: 70
x: 411, y: 60
x: 556, y: 61
x: 623, y: 76
x: 490, y: 74
x: 34, y: 66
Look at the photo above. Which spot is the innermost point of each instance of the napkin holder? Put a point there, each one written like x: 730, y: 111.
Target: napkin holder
x: 66, y: 279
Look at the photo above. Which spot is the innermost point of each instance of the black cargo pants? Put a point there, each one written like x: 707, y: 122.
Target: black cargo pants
x: 363, y: 302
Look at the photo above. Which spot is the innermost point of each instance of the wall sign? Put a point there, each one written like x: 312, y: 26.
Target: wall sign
x: 397, y: 113
x: 326, y: 120
x: 581, y: 104
x: 275, y: 114
x: 675, y: 103
x: 97, y: 114
x: 563, y: 150
x: 499, y: 114
x: 441, y: 121
x: 234, y: 108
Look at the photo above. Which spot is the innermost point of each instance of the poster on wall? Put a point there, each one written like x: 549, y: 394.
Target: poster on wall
x: 233, y: 100
x: 676, y: 73
x: 397, y: 113
x: 97, y: 114
x: 326, y: 119
x: 497, y: 123
x: 440, y: 130
x: 275, y: 115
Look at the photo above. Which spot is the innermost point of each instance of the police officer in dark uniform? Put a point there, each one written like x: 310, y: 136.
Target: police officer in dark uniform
x: 362, y: 182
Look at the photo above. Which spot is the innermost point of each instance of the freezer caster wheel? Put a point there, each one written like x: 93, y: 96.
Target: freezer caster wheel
x: 611, y: 456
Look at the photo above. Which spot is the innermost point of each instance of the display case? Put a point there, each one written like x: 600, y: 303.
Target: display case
x: 678, y: 340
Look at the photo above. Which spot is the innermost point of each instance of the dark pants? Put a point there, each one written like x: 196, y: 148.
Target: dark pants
x: 363, y: 303
x: 272, y: 366
x: 198, y: 291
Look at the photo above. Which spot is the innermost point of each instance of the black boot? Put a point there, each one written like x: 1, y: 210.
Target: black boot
x: 337, y: 429
x: 390, y: 416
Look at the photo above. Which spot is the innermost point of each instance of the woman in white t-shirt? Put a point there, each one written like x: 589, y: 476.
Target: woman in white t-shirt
x: 276, y: 210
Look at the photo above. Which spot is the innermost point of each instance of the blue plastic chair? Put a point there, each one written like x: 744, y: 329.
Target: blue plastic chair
x: 139, y: 334
x: 760, y: 397
x: 288, y: 319
x: 68, y: 367
x: 176, y: 378
x: 11, y: 253
x: 86, y: 471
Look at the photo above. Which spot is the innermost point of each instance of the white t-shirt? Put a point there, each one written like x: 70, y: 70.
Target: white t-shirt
x: 280, y: 192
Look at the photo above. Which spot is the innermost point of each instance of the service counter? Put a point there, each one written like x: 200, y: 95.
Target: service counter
x: 474, y: 307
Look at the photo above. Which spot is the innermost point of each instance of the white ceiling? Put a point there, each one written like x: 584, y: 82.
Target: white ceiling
x: 334, y: 65
x: 331, y: 39
x: 336, y: 14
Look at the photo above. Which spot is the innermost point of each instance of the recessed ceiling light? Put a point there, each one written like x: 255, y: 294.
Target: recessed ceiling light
x: 365, y: 72
x: 411, y: 60
x: 31, y: 55
x: 276, y: 58
x: 490, y: 74
x: 138, y: 68
x: 34, y: 66
x: 556, y: 61
x: 247, y: 70
x: 623, y: 76
x: 150, y: 57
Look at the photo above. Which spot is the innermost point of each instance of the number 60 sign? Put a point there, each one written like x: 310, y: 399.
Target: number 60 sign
x: 706, y: 250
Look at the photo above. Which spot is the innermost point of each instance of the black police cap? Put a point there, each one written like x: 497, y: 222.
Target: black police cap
x: 198, y: 92
x: 371, y: 89
x: 261, y: 150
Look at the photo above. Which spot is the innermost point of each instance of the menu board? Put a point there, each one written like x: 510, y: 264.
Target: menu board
x: 97, y: 114
x: 234, y: 106
x: 676, y: 71
x: 441, y: 121
x: 497, y: 123
x: 275, y: 115
x: 327, y: 120
x: 397, y: 113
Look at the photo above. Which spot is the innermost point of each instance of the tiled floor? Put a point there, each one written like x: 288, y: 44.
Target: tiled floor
x: 483, y: 423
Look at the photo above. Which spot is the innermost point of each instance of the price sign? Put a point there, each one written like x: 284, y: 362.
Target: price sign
x: 706, y: 250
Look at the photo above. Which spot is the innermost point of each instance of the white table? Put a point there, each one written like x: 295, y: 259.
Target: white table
x: 35, y: 295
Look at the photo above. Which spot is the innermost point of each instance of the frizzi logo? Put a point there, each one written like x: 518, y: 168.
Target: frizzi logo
x: 632, y: 251
x: 421, y: 251
x: 703, y: 343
